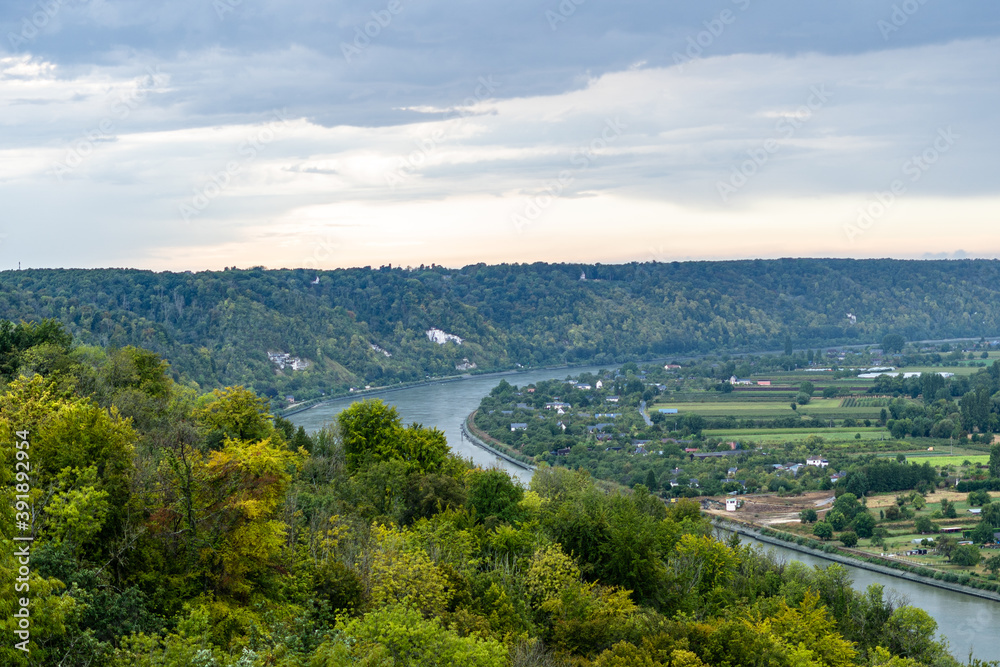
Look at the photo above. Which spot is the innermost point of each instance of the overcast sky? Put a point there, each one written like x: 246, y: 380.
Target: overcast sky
x: 195, y: 134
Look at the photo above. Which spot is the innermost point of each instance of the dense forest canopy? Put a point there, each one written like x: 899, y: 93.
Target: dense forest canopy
x: 368, y: 326
x: 172, y: 528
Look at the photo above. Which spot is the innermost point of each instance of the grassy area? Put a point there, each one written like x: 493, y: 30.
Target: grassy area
x: 945, y: 459
x: 732, y: 432
x: 829, y: 408
x: 828, y: 435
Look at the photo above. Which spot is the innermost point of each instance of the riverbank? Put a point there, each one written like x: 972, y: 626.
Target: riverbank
x: 381, y: 391
x: 839, y: 556
x: 476, y: 437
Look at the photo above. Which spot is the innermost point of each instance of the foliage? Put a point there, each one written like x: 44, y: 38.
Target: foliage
x: 173, y: 528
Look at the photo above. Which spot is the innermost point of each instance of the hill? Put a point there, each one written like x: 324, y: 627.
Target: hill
x: 369, y: 326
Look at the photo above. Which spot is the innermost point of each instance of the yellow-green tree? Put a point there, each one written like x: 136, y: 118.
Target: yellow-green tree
x: 242, y: 486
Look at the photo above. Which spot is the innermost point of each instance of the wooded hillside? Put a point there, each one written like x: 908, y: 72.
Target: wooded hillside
x: 215, y: 328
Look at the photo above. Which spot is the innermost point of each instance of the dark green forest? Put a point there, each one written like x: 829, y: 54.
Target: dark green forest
x: 216, y: 327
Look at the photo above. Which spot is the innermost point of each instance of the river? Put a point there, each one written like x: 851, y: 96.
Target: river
x: 968, y: 623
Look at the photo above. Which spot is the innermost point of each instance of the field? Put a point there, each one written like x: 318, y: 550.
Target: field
x: 825, y: 408
x: 945, y: 459
x: 830, y: 435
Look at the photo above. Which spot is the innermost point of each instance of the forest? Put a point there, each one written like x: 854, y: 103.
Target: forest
x: 170, y: 527
x: 367, y: 326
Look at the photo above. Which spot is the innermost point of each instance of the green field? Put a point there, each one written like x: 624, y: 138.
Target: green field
x: 761, y: 436
x: 944, y: 459
x: 827, y: 408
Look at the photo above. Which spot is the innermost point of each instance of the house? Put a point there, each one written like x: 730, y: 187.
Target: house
x: 763, y: 383
x: 836, y: 477
x: 735, y: 380
x: 506, y: 412
x: 557, y: 405
x: 563, y: 452
x: 732, y: 504
x: 817, y: 461
x: 600, y: 384
x: 732, y: 472
x: 518, y: 426
x: 976, y: 510
x: 583, y: 387
x: 668, y: 411
x: 612, y: 399
x: 672, y: 367
x: 524, y: 406
x: 693, y: 483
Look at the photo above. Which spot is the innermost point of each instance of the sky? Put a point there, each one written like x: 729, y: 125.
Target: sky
x: 201, y: 134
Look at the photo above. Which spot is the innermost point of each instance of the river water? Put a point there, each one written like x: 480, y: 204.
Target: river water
x: 968, y: 623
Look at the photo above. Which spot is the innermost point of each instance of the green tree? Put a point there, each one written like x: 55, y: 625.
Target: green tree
x: 982, y: 533
x: 966, y: 555
x: 808, y: 516
x: 979, y: 498
x: 924, y: 525
x: 493, y: 494
x: 948, y: 510
x: 823, y: 530
x: 995, y: 460
x: 909, y: 632
x: 849, y: 539
x: 893, y: 343
x: 237, y: 413
x: 848, y: 505
x: 992, y: 564
x: 864, y: 524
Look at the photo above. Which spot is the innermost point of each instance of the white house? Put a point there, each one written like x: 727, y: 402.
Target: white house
x: 732, y: 504
x: 817, y: 461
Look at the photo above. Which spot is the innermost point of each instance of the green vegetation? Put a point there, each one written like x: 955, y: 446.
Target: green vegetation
x: 360, y: 327
x: 175, y: 529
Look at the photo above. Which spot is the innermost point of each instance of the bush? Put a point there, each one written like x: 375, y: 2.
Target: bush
x: 849, y: 538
